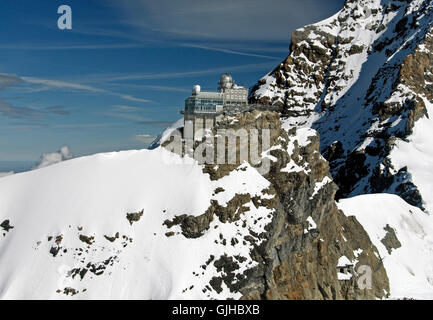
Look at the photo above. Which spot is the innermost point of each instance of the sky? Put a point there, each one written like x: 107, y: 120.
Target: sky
x: 121, y: 74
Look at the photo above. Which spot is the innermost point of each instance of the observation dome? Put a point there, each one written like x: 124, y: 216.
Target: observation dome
x: 226, y: 81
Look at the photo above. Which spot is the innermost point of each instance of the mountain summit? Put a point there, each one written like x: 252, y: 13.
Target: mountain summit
x: 362, y: 79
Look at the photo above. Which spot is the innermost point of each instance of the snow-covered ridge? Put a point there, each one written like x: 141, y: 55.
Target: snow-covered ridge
x: 69, y: 222
x: 149, y: 224
x: 416, y: 153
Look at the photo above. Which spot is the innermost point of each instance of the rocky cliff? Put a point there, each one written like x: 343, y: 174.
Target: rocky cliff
x: 308, y: 234
x: 296, y: 254
x: 361, y: 79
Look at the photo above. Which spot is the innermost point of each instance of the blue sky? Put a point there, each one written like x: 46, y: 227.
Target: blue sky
x: 126, y: 66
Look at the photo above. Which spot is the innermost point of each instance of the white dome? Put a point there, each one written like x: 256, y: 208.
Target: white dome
x: 196, y: 90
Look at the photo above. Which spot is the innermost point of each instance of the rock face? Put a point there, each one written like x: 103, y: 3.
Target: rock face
x: 308, y: 234
x: 296, y: 257
x: 361, y: 79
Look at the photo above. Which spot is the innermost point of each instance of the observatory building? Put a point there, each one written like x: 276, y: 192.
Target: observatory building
x: 204, y: 108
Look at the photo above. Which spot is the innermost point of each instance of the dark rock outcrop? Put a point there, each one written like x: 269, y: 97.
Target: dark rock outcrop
x: 390, y: 241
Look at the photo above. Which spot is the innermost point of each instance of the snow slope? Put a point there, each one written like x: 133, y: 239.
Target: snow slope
x: 161, y: 138
x: 51, y: 208
x: 410, y: 267
x: 417, y: 155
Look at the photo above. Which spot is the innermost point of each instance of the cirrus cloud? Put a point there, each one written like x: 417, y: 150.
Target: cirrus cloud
x: 226, y: 19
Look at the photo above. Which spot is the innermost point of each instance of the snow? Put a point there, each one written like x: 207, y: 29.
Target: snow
x: 166, y: 134
x: 5, y: 174
x: 417, y: 154
x: 244, y: 180
x: 410, y: 267
x: 344, y: 261
x: 91, y: 196
x: 357, y: 252
x: 344, y: 276
x: 311, y: 225
x: 302, y: 139
x: 319, y: 185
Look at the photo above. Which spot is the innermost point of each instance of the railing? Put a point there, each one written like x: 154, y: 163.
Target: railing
x: 201, y: 110
x: 234, y: 109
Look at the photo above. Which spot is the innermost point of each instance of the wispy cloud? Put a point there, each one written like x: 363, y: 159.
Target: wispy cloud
x: 226, y: 19
x: 125, y: 112
x: 8, y: 80
x: 61, y: 84
x: 77, y: 86
x: 152, y: 87
x: 67, y: 126
x: 144, y: 42
x: 9, y: 110
x: 204, y: 47
x: 176, y: 75
x: 151, y: 37
x: 131, y: 98
x: 14, y: 112
x: 145, y: 138
x: 123, y: 108
x: 50, y: 47
x: 228, y: 49
x: 60, y: 110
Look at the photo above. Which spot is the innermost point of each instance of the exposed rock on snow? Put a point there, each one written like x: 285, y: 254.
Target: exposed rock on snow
x: 390, y: 241
x: 406, y: 251
x: 5, y: 225
x: 134, y: 217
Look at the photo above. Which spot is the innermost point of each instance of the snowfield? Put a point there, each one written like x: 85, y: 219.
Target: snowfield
x: 409, y: 267
x: 79, y: 207
x: 417, y: 155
